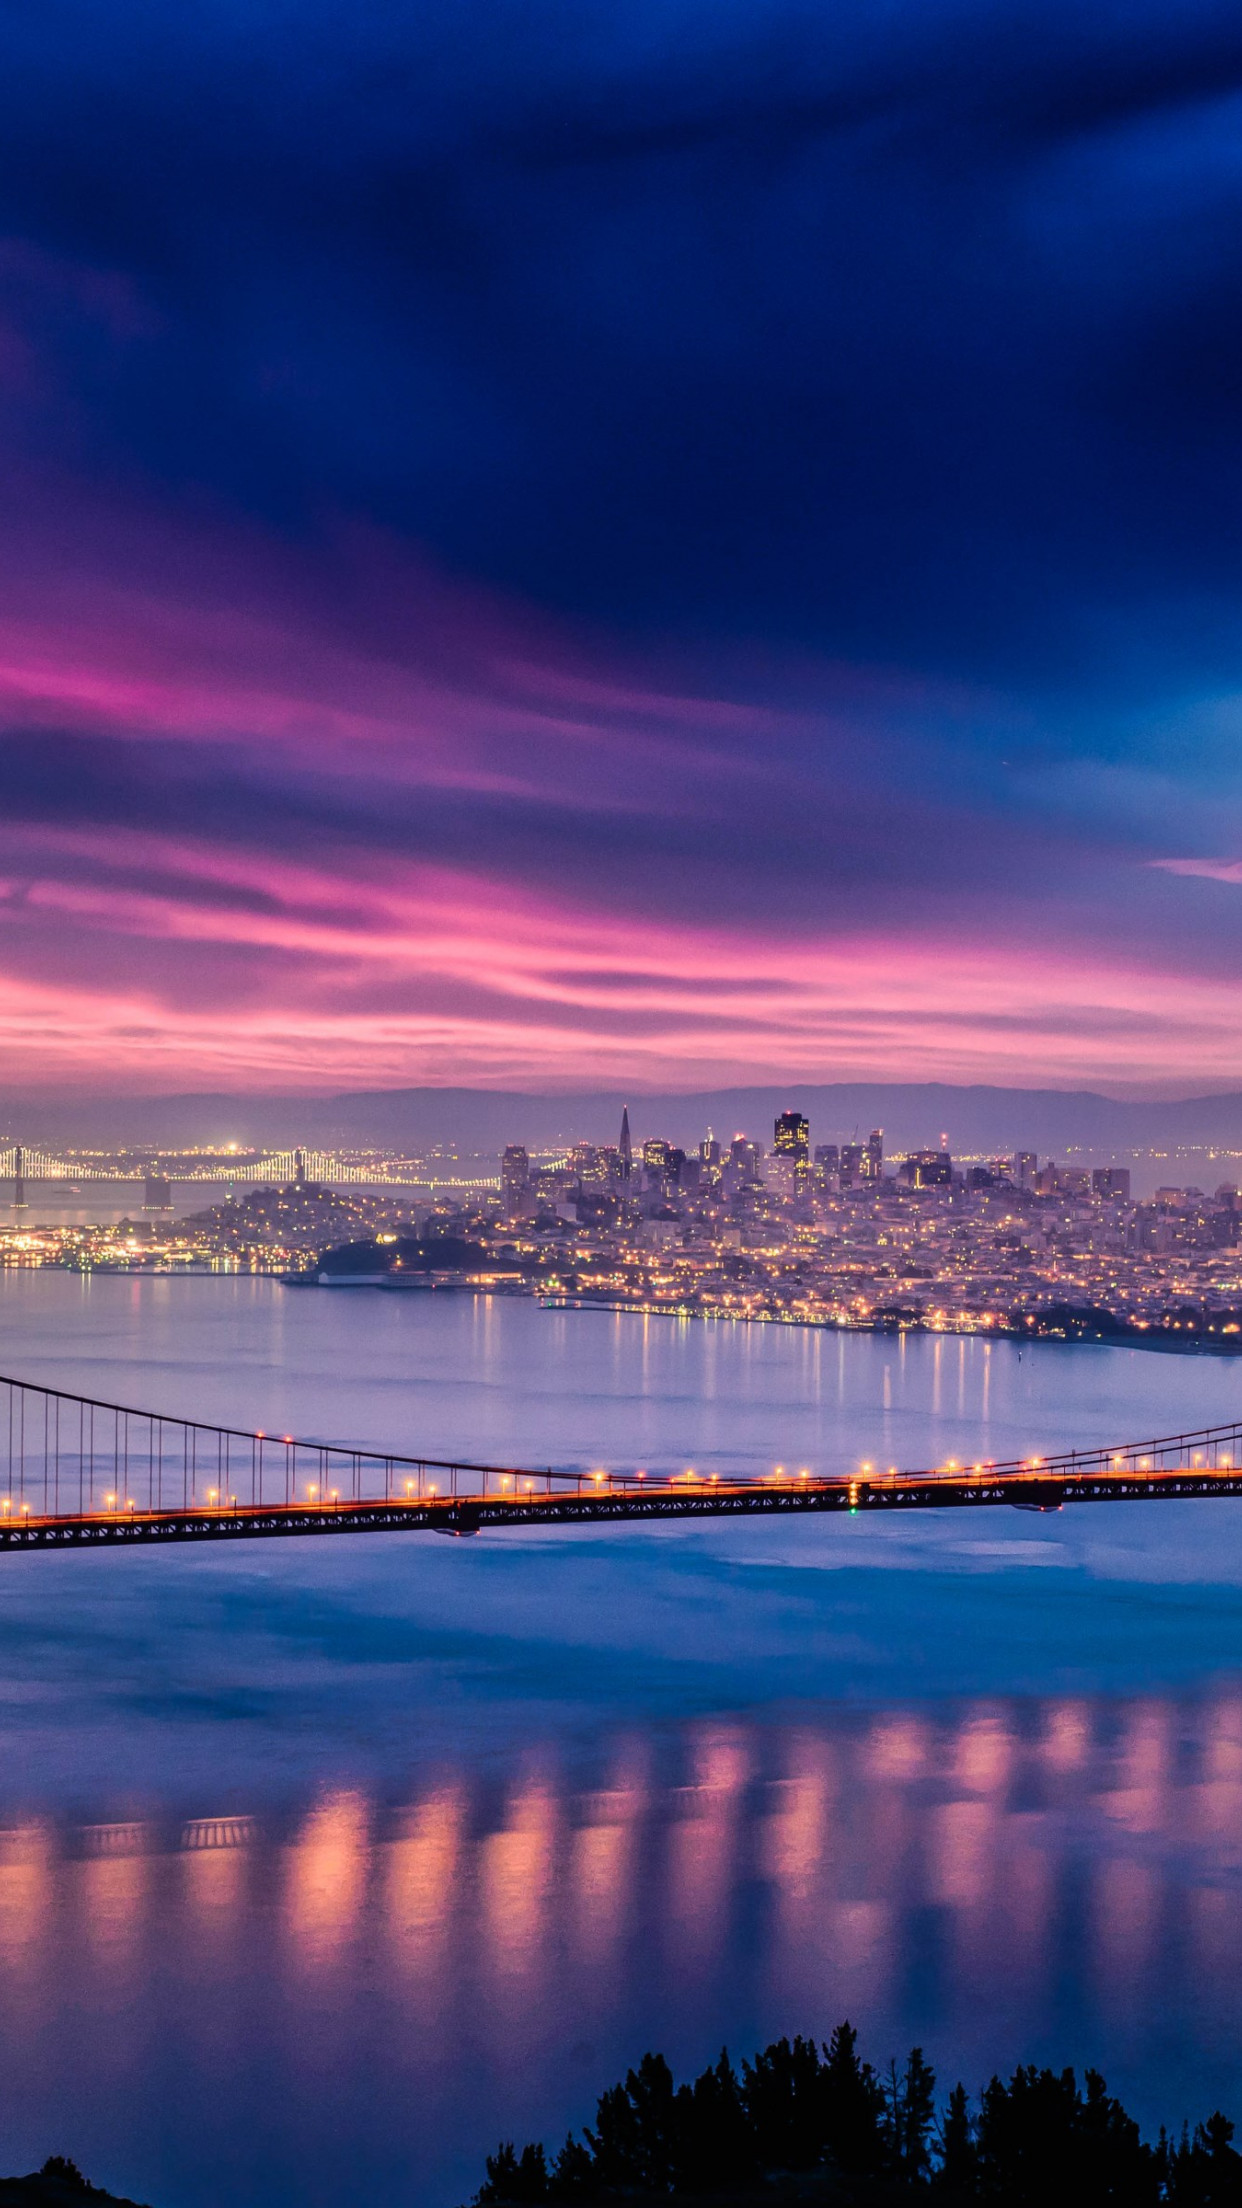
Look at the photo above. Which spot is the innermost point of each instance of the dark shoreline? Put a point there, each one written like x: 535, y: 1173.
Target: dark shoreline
x: 1187, y: 1343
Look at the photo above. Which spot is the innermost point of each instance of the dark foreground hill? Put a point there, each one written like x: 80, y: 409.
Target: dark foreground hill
x: 59, y: 2184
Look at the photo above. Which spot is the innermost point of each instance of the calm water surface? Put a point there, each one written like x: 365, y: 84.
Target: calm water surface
x: 322, y: 1867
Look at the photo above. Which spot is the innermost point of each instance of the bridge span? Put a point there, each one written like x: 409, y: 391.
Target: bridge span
x: 76, y: 1472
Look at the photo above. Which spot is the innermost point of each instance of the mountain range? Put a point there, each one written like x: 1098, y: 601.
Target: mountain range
x: 480, y: 1121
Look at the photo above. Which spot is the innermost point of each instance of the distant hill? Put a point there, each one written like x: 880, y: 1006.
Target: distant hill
x: 978, y: 1118
x: 444, y: 1253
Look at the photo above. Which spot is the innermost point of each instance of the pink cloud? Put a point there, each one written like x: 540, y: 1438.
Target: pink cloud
x: 228, y: 953
x: 445, y: 976
x: 1206, y: 870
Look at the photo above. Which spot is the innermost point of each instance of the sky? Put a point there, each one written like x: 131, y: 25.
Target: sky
x: 558, y: 545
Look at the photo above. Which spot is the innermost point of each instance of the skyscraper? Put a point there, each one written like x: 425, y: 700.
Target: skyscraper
x: 827, y: 1174
x: 792, y: 1138
x: 745, y: 1157
x: 659, y: 1162
x: 515, y: 1175
x: 873, y: 1163
x: 625, y: 1146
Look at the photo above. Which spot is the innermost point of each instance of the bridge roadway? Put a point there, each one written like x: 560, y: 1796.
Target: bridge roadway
x: 78, y: 1472
x: 470, y: 1514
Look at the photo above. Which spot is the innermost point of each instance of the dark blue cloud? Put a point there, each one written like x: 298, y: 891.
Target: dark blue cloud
x: 910, y: 337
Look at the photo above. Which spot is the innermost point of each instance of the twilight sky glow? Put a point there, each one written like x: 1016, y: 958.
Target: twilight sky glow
x: 546, y: 544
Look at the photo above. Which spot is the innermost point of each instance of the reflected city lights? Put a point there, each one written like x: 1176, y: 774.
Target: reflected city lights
x: 997, y: 1880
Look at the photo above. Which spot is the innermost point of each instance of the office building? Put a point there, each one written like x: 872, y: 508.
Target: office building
x: 928, y: 1169
x: 658, y: 1163
x: 515, y: 1176
x: 745, y: 1157
x: 792, y: 1138
x: 1112, y: 1182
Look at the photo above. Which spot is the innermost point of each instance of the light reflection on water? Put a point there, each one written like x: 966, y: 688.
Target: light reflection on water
x: 349, y: 1993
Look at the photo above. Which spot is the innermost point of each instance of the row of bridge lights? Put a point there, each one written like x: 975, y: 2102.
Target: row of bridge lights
x: 510, y: 1483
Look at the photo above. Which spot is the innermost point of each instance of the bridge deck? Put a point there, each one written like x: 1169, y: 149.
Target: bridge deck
x: 470, y: 1514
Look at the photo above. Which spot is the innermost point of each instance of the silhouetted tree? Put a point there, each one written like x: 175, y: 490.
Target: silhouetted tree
x: 518, y: 2180
x: 1038, y: 2140
x: 959, y: 2160
x: 852, y: 2100
x: 713, y: 2145
x: 572, y: 2176
x: 1206, y: 2171
x: 60, y: 2166
x: 633, y: 2144
x: 911, y: 2116
x: 1038, y: 2137
x: 781, y: 2097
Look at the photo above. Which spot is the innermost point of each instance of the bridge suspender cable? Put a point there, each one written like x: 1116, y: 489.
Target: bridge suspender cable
x: 149, y: 1476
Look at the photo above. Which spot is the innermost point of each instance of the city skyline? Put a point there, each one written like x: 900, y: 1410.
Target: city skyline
x: 708, y: 542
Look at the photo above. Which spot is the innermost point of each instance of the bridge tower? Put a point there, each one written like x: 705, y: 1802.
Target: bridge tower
x: 19, y: 1179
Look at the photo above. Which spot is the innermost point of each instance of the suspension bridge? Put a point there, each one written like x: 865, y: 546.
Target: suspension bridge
x: 22, y: 1165
x: 77, y: 1471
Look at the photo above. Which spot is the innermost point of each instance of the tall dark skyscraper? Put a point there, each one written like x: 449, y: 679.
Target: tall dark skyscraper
x: 625, y: 1146
x: 873, y: 1162
x: 792, y: 1137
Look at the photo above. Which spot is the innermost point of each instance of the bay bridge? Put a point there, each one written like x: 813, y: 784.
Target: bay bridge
x: 22, y: 1164
x: 76, y: 1471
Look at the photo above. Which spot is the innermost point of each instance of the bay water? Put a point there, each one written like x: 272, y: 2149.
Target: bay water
x: 325, y: 1865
